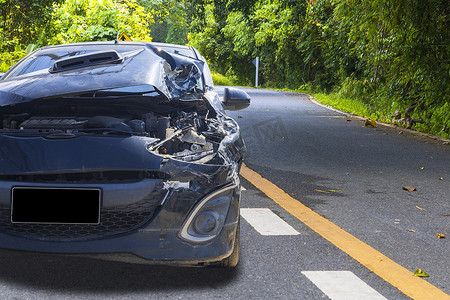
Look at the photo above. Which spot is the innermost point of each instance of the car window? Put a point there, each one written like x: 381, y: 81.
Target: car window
x: 40, y: 62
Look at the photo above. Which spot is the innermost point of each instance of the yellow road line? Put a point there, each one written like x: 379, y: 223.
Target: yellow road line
x: 377, y: 262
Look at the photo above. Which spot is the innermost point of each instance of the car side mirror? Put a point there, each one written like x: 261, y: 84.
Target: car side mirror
x: 235, y: 99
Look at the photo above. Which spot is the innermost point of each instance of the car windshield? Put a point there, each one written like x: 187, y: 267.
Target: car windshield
x: 45, y: 58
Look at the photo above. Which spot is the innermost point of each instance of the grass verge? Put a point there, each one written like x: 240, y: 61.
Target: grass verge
x: 220, y: 79
x: 436, y: 124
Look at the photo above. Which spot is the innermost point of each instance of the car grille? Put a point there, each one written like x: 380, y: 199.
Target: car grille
x: 113, y: 221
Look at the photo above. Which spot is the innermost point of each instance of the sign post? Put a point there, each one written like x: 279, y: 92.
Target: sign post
x: 256, y: 63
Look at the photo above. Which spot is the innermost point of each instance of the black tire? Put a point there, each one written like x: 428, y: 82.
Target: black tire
x: 232, y: 260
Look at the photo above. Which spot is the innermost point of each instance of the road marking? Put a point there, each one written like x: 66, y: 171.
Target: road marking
x: 342, y: 285
x: 266, y: 222
x: 403, y: 279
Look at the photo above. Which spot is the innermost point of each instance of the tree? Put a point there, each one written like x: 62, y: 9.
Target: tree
x: 172, y: 20
x: 99, y: 20
x: 25, y: 24
x: 22, y: 21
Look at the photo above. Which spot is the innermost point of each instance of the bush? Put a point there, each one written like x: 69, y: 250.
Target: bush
x: 219, y: 79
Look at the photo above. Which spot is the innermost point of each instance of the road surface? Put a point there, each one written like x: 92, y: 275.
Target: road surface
x: 350, y: 175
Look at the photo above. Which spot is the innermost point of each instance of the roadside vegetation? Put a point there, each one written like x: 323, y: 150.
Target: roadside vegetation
x: 220, y: 79
x: 386, y: 60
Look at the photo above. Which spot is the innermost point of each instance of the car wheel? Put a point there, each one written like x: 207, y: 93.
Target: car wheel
x: 232, y: 260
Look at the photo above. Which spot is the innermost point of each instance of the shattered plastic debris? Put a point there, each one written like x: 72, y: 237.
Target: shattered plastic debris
x: 441, y: 235
x: 420, y: 273
x: 409, y: 188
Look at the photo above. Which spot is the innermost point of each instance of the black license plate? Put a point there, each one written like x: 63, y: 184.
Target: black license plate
x: 55, y: 205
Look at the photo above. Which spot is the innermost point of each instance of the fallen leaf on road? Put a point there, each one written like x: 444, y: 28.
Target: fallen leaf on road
x: 445, y: 215
x: 239, y: 117
x: 335, y: 191
x: 421, y: 168
x: 370, y: 122
x: 441, y: 235
x: 320, y: 191
x: 409, y: 188
x: 418, y: 207
x: 420, y: 273
x: 442, y: 178
x: 410, y: 230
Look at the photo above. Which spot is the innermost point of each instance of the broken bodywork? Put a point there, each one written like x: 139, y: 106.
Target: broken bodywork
x: 136, y: 129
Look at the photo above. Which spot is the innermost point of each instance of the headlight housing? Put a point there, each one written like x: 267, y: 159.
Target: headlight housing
x: 206, y: 220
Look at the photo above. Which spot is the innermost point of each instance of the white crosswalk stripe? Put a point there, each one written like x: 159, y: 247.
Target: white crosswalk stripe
x: 266, y: 222
x: 342, y: 285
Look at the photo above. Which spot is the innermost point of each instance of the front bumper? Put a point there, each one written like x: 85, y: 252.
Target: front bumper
x: 155, y: 238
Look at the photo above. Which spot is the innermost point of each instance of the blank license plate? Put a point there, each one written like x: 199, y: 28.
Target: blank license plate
x: 55, y: 205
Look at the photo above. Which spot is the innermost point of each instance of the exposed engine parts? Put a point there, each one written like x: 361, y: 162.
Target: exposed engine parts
x: 183, y: 136
x: 190, y: 138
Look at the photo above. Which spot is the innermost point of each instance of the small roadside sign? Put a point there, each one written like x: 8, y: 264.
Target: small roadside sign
x: 124, y: 37
x: 256, y: 61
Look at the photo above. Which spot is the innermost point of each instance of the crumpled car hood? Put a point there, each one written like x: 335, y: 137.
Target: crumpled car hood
x: 173, y: 77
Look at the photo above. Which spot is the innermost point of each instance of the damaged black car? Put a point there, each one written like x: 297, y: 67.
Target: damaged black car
x: 122, y: 151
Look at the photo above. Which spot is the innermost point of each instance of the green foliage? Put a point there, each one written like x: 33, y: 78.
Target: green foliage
x: 98, y: 20
x: 26, y: 24
x: 350, y: 105
x: 215, y: 41
x: 7, y: 59
x: 172, y: 19
x: 219, y: 79
x: 383, y: 55
x: 22, y: 21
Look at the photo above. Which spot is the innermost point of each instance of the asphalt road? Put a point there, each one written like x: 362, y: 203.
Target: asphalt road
x: 350, y: 174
